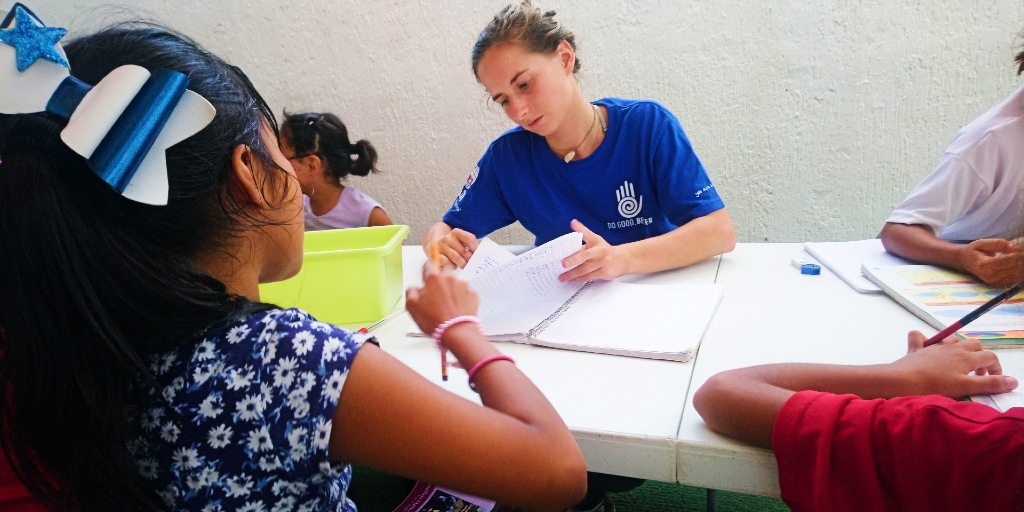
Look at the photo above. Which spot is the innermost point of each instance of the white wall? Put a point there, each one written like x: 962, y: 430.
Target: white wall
x: 813, y: 118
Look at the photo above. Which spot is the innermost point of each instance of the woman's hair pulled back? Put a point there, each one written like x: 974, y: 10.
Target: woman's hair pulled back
x: 524, y: 23
x: 95, y: 284
x: 326, y: 136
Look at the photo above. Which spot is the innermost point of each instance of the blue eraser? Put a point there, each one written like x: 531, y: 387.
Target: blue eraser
x: 810, y: 269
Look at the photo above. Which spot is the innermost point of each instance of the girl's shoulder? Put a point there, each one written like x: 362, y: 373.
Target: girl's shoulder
x: 636, y: 110
x: 353, y: 195
x: 271, y: 320
x: 645, y: 120
x: 301, y: 329
x: 252, y: 403
x: 513, y: 140
x: 264, y: 339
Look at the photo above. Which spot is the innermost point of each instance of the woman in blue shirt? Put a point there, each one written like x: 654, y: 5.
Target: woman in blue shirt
x: 622, y: 172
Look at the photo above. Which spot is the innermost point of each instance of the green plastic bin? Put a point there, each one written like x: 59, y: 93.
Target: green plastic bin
x: 348, y: 276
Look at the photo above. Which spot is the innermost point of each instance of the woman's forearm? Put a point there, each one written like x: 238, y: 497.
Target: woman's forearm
x: 697, y: 240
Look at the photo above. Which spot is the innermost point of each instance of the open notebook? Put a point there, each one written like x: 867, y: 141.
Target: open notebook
x: 521, y: 300
x: 941, y: 297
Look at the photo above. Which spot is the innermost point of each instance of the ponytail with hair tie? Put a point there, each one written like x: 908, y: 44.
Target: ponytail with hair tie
x: 326, y: 136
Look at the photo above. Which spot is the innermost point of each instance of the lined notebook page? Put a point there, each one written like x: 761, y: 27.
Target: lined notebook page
x: 521, y: 293
x: 488, y: 256
x: 636, y: 319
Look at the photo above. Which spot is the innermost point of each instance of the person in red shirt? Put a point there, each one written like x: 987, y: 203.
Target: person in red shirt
x: 880, y: 437
x: 14, y: 497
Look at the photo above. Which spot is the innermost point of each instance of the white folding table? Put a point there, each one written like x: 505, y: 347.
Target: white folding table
x: 624, y: 412
x: 771, y: 313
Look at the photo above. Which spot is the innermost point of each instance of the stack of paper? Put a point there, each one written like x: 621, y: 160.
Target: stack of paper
x: 845, y: 259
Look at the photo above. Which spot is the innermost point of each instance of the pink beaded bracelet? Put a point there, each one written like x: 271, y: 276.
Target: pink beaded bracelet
x: 483, y: 362
x: 439, y: 332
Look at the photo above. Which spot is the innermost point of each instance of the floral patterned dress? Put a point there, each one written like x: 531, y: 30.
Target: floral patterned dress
x: 248, y: 417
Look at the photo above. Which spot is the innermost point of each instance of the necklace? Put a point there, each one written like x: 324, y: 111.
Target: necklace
x: 572, y: 154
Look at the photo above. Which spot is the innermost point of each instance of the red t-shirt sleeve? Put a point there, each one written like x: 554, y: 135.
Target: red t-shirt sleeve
x: 838, y: 453
x: 14, y: 497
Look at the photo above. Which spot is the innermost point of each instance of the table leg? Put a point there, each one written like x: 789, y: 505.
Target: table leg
x: 712, y: 500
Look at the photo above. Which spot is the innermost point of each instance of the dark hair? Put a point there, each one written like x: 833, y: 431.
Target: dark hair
x: 93, y: 283
x: 1019, y: 61
x: 524, y: 23
x: 326, y: 136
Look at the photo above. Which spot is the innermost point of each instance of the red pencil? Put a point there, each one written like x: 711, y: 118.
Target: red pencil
x: 973, y: 315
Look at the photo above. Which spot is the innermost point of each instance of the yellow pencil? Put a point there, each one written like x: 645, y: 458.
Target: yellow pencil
x: 435, y: 256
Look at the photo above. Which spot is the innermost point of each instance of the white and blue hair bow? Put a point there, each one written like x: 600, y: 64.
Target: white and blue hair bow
x: 122, y: 125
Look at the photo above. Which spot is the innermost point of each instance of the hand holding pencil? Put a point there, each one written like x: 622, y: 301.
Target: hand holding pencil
x: 954, y: 368
x: 442, y: 298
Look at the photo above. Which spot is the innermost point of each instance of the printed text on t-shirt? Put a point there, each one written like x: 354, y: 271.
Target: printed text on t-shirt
x: 635, y: 221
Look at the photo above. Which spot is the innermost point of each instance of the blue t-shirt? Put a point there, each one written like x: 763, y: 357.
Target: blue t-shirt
x: 248, y: 417
x: 644, y: 180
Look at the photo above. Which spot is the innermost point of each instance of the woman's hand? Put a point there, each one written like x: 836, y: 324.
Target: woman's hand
x: 598, y: 260
x: 456, y: 248
x: 442, y: 298
x: 945, y: 368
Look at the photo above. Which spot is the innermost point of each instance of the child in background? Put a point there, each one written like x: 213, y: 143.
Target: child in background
x: 973, y: 195
x: 854, y: 438
x: 318, y: 148
x: 622, y: 172
x: 140, y: 371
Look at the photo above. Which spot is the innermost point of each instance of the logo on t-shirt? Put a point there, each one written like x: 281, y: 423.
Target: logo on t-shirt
x: 628, y: 204
x: 469, y: 183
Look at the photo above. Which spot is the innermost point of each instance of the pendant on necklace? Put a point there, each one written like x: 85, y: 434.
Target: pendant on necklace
x: 569, y: 156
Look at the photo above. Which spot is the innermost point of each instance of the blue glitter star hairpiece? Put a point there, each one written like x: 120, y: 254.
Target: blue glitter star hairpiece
x: 30, y: 38
x: 122, y: 125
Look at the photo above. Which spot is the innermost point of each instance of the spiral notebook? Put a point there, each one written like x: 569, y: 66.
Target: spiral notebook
x: 522, y: 301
